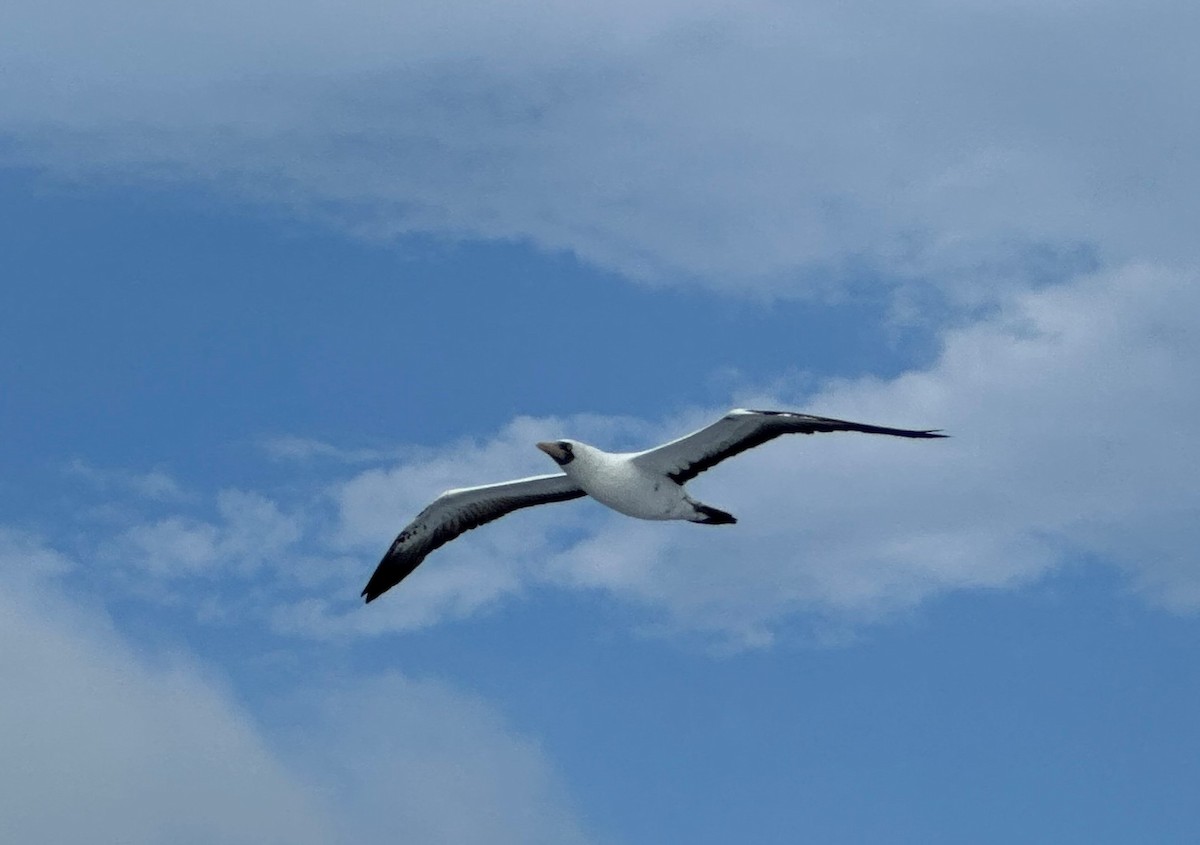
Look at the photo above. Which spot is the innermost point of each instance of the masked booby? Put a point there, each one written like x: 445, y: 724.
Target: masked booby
x: 646, y: 485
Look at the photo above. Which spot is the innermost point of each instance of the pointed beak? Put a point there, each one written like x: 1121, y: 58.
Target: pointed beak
x: 553, y: 450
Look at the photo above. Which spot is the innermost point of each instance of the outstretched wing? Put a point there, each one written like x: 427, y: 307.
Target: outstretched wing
x: 739, y: 430
x: 456, y: 511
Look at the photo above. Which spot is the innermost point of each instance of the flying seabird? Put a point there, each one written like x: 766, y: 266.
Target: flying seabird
x: 646, y: 485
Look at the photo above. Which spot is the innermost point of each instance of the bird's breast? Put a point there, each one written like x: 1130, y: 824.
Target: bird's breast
x: 627, y: 489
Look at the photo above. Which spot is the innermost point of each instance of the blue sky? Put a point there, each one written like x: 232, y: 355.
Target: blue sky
x: 271, y: 284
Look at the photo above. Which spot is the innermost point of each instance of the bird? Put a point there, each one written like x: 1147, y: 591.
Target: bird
x: 645, y: 485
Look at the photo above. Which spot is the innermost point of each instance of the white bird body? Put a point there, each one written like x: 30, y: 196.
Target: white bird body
x: 615, y: 480
x: 644, y: 485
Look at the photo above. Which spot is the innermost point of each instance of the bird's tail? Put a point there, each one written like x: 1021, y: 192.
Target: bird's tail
x: 706, y: 515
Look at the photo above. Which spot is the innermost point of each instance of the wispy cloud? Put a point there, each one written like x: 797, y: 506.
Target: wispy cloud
x: 248, y: 530
x: 155, y: 485
x: 1073, y: 423
x: 740, y: 147
x: 305, y: 449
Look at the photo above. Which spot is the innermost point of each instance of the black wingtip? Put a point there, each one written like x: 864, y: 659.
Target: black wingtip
x: 904, y: 432
x: 393, y: 569
x: 374, y: 589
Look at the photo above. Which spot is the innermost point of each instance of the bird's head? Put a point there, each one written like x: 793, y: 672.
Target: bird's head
x: 563, y: 451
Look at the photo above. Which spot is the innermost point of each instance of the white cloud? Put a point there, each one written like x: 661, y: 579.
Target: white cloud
x: 249, y: 531
x: 1072, y: 410
x: 1073, y: 415
x: 104, y: 741
x: 737, y: 145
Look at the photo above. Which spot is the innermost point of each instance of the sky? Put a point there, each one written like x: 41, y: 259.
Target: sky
x: 275, y: 275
